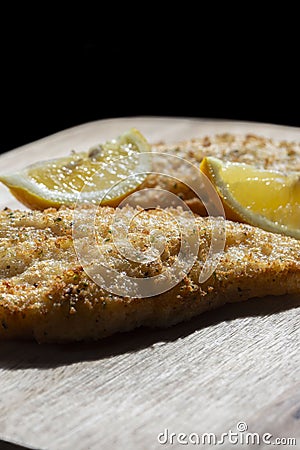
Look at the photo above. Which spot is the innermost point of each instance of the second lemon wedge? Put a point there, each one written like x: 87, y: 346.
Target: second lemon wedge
x: 107, y: 172
x: 267, y: 199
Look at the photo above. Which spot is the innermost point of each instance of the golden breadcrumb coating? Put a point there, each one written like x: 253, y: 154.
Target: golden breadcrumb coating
x: 46, y: 295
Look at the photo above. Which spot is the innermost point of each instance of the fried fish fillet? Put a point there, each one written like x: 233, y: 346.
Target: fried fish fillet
x: 46, y: 295
x: 263, y: 153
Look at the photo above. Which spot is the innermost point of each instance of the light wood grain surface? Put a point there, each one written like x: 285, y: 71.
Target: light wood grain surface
x: 240, y: 363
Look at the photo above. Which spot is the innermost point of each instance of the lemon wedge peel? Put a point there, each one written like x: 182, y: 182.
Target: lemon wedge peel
x: 59, y: 181
x: 264, y: 198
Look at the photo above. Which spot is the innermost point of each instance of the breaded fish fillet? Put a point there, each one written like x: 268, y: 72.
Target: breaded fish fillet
x: 261, y: 152
x: 46, y: 295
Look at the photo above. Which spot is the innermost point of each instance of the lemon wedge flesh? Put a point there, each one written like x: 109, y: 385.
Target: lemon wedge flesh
x: 264, y: 198
x: 107, y: 173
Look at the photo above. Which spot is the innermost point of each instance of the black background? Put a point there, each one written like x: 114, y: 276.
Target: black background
x: 53, y: 79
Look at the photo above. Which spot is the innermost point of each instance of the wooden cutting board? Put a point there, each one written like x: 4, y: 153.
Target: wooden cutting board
x: 237, y: 364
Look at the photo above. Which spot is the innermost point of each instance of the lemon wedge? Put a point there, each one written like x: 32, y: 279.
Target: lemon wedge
x: 106, y: 173
x: 264, y: 198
